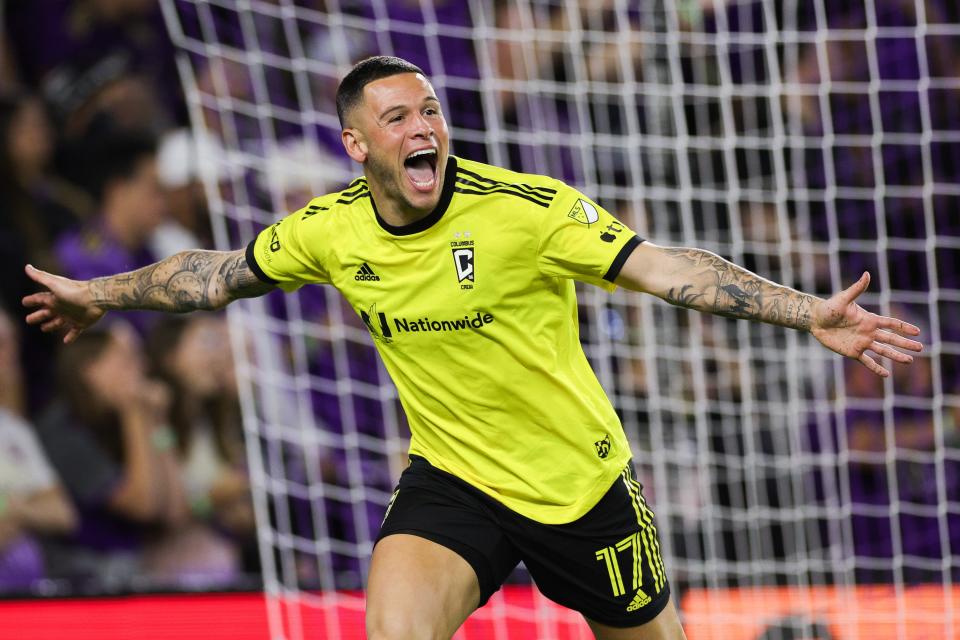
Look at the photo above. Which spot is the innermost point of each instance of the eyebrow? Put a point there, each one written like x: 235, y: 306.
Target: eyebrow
x: 403, y: 106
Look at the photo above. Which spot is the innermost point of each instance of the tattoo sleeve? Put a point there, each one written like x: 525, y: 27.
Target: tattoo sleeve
x: 707, y: 282
x: 187, y: 281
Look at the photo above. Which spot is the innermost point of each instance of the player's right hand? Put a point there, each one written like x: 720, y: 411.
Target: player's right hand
x: 67, y: 305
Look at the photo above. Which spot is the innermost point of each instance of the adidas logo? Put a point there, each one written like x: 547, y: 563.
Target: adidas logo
x: 366, y: 273
x: 639, y: 600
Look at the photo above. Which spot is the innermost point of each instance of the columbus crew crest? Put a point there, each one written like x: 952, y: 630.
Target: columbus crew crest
x: 463, y: 259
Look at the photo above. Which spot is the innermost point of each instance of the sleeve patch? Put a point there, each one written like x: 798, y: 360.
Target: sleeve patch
x: 584, y: 212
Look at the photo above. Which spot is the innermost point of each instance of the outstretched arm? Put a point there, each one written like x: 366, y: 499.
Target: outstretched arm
x: 187, y: 281
x: 701, y: 280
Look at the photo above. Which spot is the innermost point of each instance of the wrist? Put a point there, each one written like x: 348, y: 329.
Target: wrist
x: 10, y: 508
x: 808, y: 314
x: 132, y: 412
x: 97, y: 294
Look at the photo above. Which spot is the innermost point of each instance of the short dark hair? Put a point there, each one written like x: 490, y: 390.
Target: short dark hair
x: 117, y: 156
x: 350, y: 91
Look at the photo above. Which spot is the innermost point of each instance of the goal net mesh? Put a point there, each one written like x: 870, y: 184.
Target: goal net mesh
x: 804, y: 139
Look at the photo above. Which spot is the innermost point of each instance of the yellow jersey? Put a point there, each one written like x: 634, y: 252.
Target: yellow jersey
x: 473, y: 310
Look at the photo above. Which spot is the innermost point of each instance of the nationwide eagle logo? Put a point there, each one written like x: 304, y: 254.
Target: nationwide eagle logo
x: 584, y: 213
x: 377, y: 324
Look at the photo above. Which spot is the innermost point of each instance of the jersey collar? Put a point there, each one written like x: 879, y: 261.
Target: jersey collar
x: 424, y: 223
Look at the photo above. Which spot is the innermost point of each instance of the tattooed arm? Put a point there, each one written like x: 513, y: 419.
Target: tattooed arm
x: 700, y: 280
x: 187, y: 281
x: 704, y: 281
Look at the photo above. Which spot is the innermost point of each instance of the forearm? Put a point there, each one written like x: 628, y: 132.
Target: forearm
x: 46, y: 511
x: 176, y: 506
x: 701, y: 280
x: 140, y: 493
x: 187, y: 281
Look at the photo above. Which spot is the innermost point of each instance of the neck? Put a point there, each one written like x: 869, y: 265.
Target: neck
x: 394, y: 211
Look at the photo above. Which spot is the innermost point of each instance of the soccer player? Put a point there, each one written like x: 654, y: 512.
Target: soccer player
x: 463, y: 274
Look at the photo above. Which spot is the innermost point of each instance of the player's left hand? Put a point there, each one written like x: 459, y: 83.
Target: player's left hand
x: 841, y: 325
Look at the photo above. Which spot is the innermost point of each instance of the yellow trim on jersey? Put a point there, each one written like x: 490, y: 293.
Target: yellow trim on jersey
x: 474, y: 312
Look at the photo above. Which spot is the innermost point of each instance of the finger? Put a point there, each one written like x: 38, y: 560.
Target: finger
x: 71, y: 335
x: 52, y: 325
x: 899, y: 341
x: 38, y: 276
x: 39, y: 316
x: 871, y: 364
x: 901, y: 327
x: 853, y: 292
x: 890, y: 352
x: 38, y: 299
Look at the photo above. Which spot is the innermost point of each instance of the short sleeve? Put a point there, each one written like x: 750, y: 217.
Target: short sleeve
x: 289, y: 253
x: 579, y: 239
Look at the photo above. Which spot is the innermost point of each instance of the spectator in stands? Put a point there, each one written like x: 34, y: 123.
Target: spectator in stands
x: 33, y: 503
x: 132, y: 208
x: 48, y: 37
x: 893, y: 515
x: 193, y: 356
x: 110, y: 441
x: 882, y: 188
x: 896, y: 166
x: 36, y: 206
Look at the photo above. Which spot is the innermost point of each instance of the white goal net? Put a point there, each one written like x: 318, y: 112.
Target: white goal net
x: 797, y: 495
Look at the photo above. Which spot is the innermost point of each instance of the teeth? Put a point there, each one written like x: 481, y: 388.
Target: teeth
x: 422, y: 152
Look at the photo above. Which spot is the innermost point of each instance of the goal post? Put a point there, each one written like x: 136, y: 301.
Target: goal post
x: 808, y: 141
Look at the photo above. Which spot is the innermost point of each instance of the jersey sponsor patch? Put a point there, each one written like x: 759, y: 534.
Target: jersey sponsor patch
x: 584, y: 213
x: 274, y: 238
x: 609, y: 234
x: 377, y: 324
x: 366, y: 273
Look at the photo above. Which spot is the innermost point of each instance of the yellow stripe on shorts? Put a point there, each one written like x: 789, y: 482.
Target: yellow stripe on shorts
x: 648, y: 531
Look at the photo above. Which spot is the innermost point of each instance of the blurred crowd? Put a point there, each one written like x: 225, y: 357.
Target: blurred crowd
x: 122, y: 462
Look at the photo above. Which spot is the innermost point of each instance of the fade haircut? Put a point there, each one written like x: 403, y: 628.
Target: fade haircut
x: 350, y: 91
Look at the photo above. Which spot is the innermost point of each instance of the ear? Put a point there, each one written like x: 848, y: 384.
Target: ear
x: 355, y: 144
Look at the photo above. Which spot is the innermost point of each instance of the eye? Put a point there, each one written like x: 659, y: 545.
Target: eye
x: 431, y: 111
x: 396, y: 118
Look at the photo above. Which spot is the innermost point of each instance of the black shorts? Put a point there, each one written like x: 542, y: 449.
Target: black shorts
x: 606, y: 565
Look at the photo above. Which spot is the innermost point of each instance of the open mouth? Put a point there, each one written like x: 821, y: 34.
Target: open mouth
x: 421, y: 168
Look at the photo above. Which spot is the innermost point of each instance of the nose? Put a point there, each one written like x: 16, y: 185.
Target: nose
x: 421, y: 127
